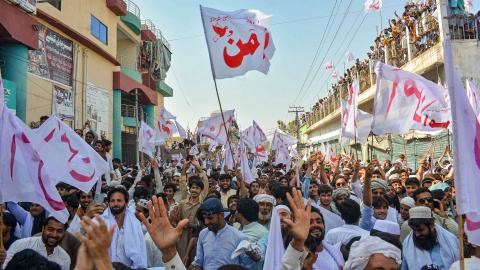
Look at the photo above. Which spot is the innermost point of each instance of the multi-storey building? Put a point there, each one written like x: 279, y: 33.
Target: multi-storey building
x: 89, y: 61
x: 416, y: 47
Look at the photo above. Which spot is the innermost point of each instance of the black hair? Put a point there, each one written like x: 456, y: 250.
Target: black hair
x: 379, y: 201
x: 412, y: 181
x: 107, y: 143
x: 99, y: 142
x: 29, y: 259
x: 117, y: 160
x: 349, y: 211
x: 387, y: 237
x: 420, y: 190
x: 118, y: 189
x: 63, y: 185
x: 324, y: 188
x: 281, y: 193
x: 232, y: 197
x: 10, y: 221
x: 225, y: 176
x: 163, y: 196
x: 195, y: 180
x: 438, y: 194
x: 47, y: 220
x: 415, y: 222
x: 147, y: 179
x: 141, y: 193
x: 316, y: 210
x: 232, y: 267
x: 248, y: 208
x: 170, y: 186
x: 71, y: 200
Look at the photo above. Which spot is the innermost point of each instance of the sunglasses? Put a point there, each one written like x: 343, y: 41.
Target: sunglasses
x: 425, y: 200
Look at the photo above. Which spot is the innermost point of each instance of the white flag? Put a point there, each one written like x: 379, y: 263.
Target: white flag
x: 228, y: 159
x: 472, y: 95
x: 214, y: 129
x: 146, y: 139
x: 194, y: 151
x: 76, y: 162
x: 244, y: 167
x: 469, y: 6
x: 181, y: 131
x: 280, y: 144
x: 165, y: 129
x: 373, y: 5
x: 349, y: 57
x: 405, y: 101
x: 466, y: 150
x: 164, y: 114
x: 25, y: 169
x: 238, y: 41
x: 349, y: 111
x: 329, y: 65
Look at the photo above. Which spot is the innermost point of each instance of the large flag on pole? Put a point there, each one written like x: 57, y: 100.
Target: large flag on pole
x: 466, y: 150
x: 25, y: 169
x: 244, y: 167
x: 237, y: 41
x: 472, y: 95
x: 146, y: 139
x: 76, y: 162
x: 214, y: 128
x: 405, y: 101
x: 349, y: 110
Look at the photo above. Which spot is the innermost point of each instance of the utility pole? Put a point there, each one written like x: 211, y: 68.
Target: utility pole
x: 296, y: 110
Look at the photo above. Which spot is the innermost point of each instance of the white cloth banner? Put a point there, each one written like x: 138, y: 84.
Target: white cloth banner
x: 280, y: 144
x: 214, y: 129
x: 194, y: 151
x: 76, y: 162
x: 237, y: 41
x: 373, y: 5
x: 25, y: 169
x: 472, y: 95
x: 349, y: 57
x: 244, y: 168
x: 146, y: 139
x: 181, y: 131
x: 405, y: 101
x: 165, y: 129
x: 466, y: 150
x: 349, y: 111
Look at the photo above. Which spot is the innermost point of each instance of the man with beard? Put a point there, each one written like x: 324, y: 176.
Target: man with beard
x: 428, y: 245
x: 405, y: 205
x: 46, y: 245
x: 217, y: 242
x: 128, y: 242
x: 328, y: 257
x: 247, y: 215
x: 423, y: 197
x: 265, y: 205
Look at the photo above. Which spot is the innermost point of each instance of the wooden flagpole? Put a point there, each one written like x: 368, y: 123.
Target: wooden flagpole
x: 460, y: 239
x: 1, y: 227
x: 216, y: 87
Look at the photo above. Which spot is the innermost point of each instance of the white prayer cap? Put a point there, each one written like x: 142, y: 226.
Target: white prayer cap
x: 394, y: 176
x: 408, y: 201
x: 420, y: 212
x: 284, y: 207
x: 264, y: 198
x: 387, y: 226
x: 362, y: 250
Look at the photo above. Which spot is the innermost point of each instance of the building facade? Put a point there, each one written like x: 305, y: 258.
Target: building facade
x: 96, y: 64
x: 417, y: 48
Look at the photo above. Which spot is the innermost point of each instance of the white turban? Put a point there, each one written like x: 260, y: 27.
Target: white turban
x: 362, y: 250
x: 264, y: 198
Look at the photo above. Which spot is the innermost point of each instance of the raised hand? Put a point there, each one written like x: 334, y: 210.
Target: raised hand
x: 299, y: 227
x: 163, y: 234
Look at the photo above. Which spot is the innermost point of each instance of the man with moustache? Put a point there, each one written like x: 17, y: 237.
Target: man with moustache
x: 428, y: 246
x: 128, y: 242
x: 265, y: 205
x: 328, y: 257
x: 47, y: 245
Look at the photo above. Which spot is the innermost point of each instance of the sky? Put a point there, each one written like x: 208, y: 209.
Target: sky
x: 297, y: 30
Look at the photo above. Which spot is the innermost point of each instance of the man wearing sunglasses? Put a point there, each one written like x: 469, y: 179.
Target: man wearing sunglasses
x: 423, y: 197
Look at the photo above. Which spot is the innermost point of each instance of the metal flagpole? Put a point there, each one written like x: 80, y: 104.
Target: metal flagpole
x: 216, y: 87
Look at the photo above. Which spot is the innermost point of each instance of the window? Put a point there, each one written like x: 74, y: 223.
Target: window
x: 98, y: 30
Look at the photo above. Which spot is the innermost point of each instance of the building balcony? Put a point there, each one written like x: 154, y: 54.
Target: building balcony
x: 129, y: 67
x: 148, y: 31
x: 164, y: 89
x: 132, y: 18
x: 119, y: 7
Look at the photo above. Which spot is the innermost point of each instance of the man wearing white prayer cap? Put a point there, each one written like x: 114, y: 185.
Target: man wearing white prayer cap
x: 405, y: 205
x: 265, y: 205
x: 388, y: 231
x: 371, y: 253
x: 428, y: 245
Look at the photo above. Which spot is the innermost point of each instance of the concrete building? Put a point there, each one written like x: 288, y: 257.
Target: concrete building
x: 86, y: 61
x: 323, y: 121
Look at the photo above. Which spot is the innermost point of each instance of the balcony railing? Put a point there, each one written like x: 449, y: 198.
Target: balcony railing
x: 130, y: 111
x: 148, y: 25
x: 133, y: 8
x: 160, y: 36
x: 396, y: 50
x: 130, y: 62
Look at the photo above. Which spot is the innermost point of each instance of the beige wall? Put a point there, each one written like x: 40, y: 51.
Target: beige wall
x: 77, y: 14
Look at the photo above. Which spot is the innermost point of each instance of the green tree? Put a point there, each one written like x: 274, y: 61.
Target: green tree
x: 290, y: 128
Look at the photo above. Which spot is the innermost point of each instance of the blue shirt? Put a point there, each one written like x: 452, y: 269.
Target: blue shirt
x: 214, y: 250
x: 434, y: 256
x: 367, y: 221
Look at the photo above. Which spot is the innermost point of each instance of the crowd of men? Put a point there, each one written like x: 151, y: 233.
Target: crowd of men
x: 193, y: 213
x: 417, y: 25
